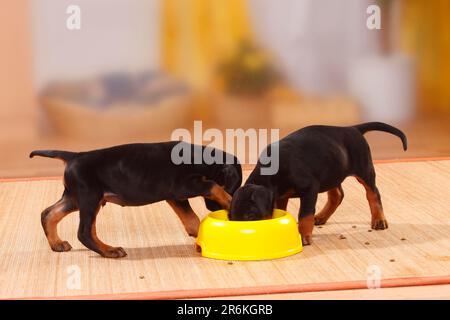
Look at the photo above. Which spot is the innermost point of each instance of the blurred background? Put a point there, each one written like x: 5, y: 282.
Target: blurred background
x: 138, y: 69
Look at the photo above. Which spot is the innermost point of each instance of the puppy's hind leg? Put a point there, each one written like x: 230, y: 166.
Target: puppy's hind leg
x: 378, y: 221
x: 335, y: 197
x: 187, y: 216
x: 50, y: 218
x: 87, y: 233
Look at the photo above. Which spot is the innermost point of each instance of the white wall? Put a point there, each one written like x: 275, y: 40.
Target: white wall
x: 115, y: 35
x: 316, y: 41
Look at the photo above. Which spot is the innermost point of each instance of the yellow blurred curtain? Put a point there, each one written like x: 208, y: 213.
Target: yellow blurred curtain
x: 426, y: 34
x: 196, y: 34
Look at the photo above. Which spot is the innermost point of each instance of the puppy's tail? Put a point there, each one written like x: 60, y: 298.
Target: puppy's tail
x: 380, y: 126
x: 62, y: 155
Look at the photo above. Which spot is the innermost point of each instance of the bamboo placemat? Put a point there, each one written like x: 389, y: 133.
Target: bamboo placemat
x: 162, y: 262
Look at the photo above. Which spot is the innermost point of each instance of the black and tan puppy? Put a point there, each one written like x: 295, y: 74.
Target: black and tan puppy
x: 312, y: 160
x: 136, y: 175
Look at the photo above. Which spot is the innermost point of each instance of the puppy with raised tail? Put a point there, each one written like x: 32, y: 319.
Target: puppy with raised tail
x: 312, y: 160
x: 136, y: 175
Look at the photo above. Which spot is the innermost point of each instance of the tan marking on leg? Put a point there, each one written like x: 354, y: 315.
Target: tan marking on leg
x: 218, y: 194
x: 50, y: 218
x: 335, y: 197
x: 305, y: 227
x: 187, y: 216
x: 379, y: 221
x: 107, y: 250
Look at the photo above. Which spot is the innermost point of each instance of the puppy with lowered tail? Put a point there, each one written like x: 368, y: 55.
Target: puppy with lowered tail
x: 136, y: 175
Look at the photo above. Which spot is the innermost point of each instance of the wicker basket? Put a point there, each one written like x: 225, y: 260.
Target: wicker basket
x: 122, y: 121
x: 241, y: 112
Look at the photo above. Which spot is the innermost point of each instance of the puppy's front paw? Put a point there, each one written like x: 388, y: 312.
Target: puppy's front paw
x: 192, y: 229
x: 306, y: 240
x: 305, y: 228
x: 114, y: 252
x: 62, y: 246
x: 193, y: 234
x: 379, y: 224
x: 318, y: 220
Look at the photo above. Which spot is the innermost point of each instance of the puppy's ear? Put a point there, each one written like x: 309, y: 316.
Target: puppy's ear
x: 232, y: 174
x: 263, y: 199
x: 234, y: 213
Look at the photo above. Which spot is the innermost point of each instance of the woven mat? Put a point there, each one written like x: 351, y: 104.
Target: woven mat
x: 162, y: 262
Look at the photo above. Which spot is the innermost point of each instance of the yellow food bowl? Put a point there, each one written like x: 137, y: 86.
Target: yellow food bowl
x: 219, y: 238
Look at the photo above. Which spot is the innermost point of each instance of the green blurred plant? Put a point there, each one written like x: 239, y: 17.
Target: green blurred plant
x: 249, y: 71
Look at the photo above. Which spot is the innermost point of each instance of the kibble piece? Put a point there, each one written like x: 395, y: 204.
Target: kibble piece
x: 367, y: 243
x: 392, y: 260
x: 354, y: 227
x: 403, y: 239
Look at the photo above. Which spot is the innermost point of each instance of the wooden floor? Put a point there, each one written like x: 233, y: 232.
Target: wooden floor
x: 162, y: 258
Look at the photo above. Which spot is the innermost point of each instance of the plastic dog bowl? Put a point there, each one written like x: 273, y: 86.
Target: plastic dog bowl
x: 219, y: 238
